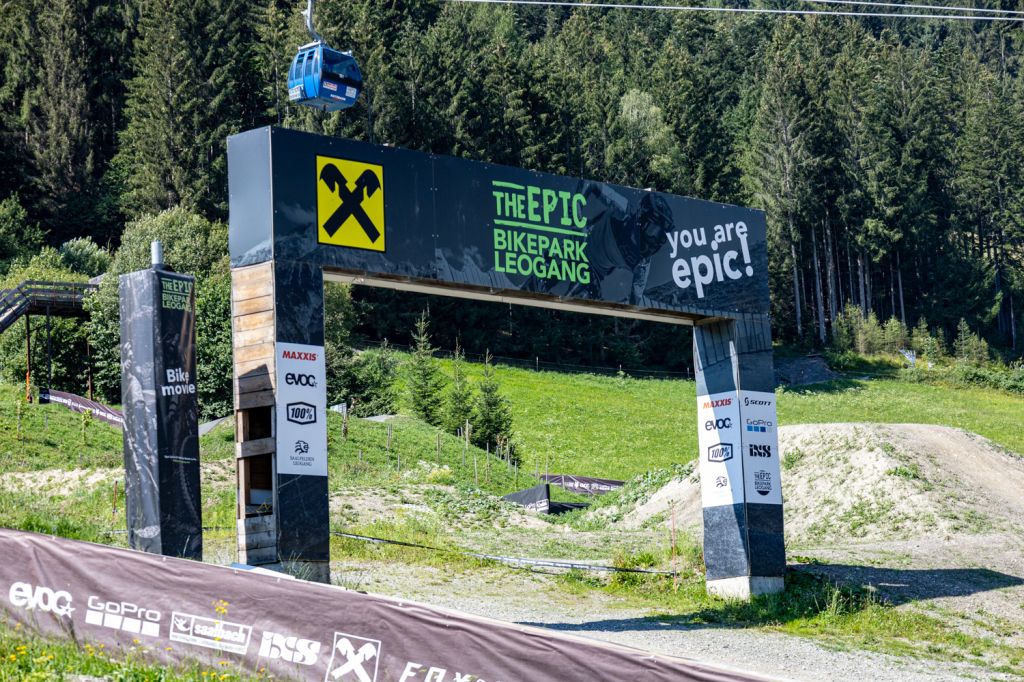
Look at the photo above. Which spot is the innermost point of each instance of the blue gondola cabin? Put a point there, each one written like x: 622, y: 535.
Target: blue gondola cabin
x: 323, y: 78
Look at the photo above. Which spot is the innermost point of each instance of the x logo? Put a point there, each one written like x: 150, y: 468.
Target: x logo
x: 354, y: 659
x: 351, y: 200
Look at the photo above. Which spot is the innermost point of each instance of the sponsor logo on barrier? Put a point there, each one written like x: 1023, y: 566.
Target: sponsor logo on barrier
x: 301, y: 413
x: 724, y: 402
x: 40, y: 598
x: 298, y: 355
x: 759, y: 450
x: 210, y: 633
x: 291, y: 649
x: 721, y: 481
x: 293, y: 379
x: 753, y: 401
x: 715, y: 424
x: 149, y: 532
x: 301, y: 447
x: 720, y: 452
x: 353, y: 658
x: 418, y: 671
x: 759, y: 425
x: 350, y: 203
x: 762, y: 482
x: 123, y: 615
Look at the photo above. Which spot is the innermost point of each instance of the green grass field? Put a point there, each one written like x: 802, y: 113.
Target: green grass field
x: 620, y: 427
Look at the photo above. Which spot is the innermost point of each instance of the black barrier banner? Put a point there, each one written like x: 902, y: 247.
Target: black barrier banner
x: 178, y: 611
x: 537, y: 498
x: 79, y: 404
x: 586, y: 485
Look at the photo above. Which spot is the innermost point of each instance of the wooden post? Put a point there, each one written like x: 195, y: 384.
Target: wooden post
x: 344, y: 424
x: 438, y: 448
x: 88, y: 367
x: 672, y: 561
x: 28, y: 358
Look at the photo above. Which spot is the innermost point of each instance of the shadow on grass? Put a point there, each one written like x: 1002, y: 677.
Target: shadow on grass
x: 825, y: 387
x: 819, y: 590
x: 899, y: 585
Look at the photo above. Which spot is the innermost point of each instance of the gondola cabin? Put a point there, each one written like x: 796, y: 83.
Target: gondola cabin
x: 324, y: 78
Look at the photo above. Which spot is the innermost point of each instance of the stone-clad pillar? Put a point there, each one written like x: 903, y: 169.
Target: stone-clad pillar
x: 744, y: 549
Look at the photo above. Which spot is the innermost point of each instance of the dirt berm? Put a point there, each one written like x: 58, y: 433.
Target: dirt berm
x: 917, y: 512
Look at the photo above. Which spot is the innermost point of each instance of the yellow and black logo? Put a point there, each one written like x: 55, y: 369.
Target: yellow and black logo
x: 350, y: 203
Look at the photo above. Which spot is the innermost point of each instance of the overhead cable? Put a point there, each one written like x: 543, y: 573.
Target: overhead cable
x: 748, y: 10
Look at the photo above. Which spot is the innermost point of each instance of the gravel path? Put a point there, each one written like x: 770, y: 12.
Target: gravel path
x: 524, y: 598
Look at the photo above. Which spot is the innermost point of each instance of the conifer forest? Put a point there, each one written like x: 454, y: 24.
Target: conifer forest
x: 887, y: 152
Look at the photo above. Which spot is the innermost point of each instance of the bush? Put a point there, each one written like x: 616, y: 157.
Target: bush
x: 192, y: 245
x: 85, y: 256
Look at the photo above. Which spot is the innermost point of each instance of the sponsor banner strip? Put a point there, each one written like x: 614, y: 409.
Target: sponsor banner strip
x: 77, y: 403
x: 586, y: 485
x: 292, y: 629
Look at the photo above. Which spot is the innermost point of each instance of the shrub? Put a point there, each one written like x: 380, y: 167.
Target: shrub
x: 192, y: 245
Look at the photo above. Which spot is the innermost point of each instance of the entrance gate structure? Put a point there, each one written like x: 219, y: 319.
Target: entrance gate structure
x: 305, y: 208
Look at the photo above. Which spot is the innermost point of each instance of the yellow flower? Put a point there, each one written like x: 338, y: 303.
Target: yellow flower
x: 13, y: 657
x: 135, y: 641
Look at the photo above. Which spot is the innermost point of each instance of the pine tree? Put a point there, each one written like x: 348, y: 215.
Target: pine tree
x: 492, y: 414
x: 60, y: 122
x: 425, y: 382
x: 459, y: 407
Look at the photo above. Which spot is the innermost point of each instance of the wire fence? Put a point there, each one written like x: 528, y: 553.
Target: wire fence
x: 539, y: 365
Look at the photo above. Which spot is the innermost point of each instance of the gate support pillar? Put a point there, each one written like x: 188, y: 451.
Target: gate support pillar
x: 744, y: 549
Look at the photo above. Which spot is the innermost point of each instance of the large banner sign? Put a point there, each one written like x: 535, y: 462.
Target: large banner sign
x: 393, y: 213
x: 176, y: 611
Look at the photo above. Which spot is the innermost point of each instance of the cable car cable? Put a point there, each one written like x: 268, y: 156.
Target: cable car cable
x: 740, y: 10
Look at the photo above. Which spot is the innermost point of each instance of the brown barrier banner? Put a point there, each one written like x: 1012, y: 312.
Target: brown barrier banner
x: 79, y: 404
x: 177, y: 610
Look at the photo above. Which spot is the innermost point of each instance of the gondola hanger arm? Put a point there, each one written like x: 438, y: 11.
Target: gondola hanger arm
x: 308, y: 14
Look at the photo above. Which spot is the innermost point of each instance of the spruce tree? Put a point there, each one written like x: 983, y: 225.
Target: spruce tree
x: 459, y: 407
x: 425, y: 381
x: 492, y: 414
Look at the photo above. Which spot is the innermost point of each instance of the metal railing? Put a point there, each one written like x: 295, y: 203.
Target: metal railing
x: 64, y: 299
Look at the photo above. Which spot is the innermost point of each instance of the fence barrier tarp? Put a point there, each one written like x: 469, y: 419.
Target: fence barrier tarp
x: 586, y: 485
x: 79, y: 404
x: 177, y: 610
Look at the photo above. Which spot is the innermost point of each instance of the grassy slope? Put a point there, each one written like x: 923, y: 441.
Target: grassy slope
x: 597, y: 425
x: 618, y: 428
